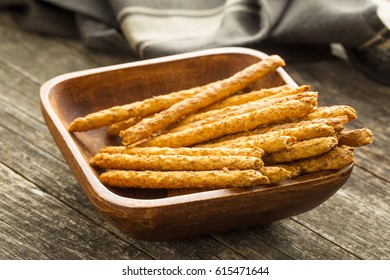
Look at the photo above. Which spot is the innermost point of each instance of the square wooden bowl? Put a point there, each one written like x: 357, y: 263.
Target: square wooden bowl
x: 162, y: 214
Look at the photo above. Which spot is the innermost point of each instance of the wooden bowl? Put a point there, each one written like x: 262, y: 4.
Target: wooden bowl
x: 161, y: 214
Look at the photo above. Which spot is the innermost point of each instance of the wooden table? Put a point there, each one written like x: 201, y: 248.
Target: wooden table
x: 45, y: 215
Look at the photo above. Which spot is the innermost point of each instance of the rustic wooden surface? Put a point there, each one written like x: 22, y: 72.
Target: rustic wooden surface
x: 45, y: 215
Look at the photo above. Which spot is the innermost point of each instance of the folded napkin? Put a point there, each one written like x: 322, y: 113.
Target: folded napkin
x: 152, y: 28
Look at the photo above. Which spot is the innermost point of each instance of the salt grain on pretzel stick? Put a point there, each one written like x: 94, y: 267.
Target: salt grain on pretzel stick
x: 137, y: 109
x: 213, y: 116
x: 301, y: 150
x: 275, y: 174
x: 174, y: 162
x: 336, y: 158
x: 276, y: 113
x: 184, y: 179
x: 211, y: 94
x: 356, y: 137
x: 245, y: 97
x: 219, y: 151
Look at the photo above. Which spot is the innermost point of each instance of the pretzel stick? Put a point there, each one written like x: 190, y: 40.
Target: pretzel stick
x: 336, y: 158
x: 211, y: 94
x: 245, y: 98
x: 278, y: 112
x: 337, y: 123
x: 292, y: 167
x: 137, y: 109
x: 267, y: 144
x: 184, y: 179
x: 300, y: 133
x: 216, y: 115
x: 275, y: 174
x: 356, y: 137
x: 174, y: 162
x: 243, y: 107
x: 301, y: 150
x: 220, y: 151
x: 333, y: 111
x: 116, y: 128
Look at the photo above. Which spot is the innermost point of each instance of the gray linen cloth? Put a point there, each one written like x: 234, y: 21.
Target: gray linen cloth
x: 152, y: 28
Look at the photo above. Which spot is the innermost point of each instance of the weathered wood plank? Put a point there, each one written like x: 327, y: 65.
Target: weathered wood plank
x: 250, y: 246
x: 299, y: 242
x: 41, y: 58
x: 39, y: 217
x: 18, y: 246
x: 356, y: 218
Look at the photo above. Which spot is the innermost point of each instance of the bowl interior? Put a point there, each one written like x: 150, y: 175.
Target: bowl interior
x: 83, y: 94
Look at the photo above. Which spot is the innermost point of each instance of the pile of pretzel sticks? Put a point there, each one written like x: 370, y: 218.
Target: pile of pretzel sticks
x: 219, y: 135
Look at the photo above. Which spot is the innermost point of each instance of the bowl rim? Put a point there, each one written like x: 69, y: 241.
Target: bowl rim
x: 102, y: 195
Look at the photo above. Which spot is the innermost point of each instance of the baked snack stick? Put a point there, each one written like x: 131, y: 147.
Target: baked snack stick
x: 332, y: 111
x: 115, y: 128
x: 219, y: 151
x: 245, y: 97
x: 137, y: 109
x: 234, y: 107
x: 209, y: 95
x: 337, y: 123
x: 275, y: 174
x: 300, y: 133
x: 356, y: 137
x: 301, y: 150
x: 267, y: 144
x: 184, y: 179
x: 213, y: 116
x: 336, y: 158
x: 272, y: 114
x: 174, y: 162
x: 245, y: 107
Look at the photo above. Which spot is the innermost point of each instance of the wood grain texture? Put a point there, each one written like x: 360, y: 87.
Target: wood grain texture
x: 62, y: 224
